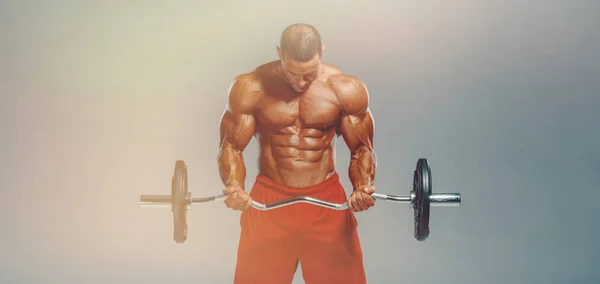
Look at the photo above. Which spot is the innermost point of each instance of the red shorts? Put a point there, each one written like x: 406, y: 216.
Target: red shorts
x: 325, y: 241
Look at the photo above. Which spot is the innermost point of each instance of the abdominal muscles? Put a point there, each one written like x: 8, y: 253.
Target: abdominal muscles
x: 298, y: 157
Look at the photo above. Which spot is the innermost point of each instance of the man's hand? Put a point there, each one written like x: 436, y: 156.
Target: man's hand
x: 238, y: 198
x: 361, y: 198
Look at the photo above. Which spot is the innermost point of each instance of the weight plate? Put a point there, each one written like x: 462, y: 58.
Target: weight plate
x: 421, y: 205
x: 179, y: 193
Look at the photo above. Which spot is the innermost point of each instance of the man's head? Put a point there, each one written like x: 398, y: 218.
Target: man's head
x: 300, y: 53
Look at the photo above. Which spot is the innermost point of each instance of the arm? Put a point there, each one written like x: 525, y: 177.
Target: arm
x: 236, y: 130
x: 357, y: 129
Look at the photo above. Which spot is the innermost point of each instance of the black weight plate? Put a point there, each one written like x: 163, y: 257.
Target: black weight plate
x: 421, y: 205
x: 179, y: 193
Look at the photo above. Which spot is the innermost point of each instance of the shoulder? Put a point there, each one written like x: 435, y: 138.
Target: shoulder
x: 244, y: 92
x: 351, y: 92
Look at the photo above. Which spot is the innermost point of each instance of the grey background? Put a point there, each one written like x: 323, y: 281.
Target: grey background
x: 100, y: 98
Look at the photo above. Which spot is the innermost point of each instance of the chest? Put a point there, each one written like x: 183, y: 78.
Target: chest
x: 317, y: 108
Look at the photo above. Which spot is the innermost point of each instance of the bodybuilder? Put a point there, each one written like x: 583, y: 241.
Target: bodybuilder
x: 296, y: 107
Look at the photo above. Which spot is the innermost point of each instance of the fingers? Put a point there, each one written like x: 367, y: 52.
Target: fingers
x: 369, y: 201
x: 230, y: 190
x: 351, y: 204
x: 230, y: 201
x: 367, y: 198
x: 238, y: 199
x: 361, y: 199
x: 244, y: 201
x: 355, y: 203
x: 235, y: 202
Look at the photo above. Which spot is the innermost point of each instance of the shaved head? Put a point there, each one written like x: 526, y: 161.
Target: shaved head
x: 301, y: 42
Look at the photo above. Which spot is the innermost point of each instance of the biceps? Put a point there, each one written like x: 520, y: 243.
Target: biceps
x: 357, y: 131
x: 236, y: 130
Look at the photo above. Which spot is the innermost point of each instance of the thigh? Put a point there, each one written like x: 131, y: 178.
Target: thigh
x: 266, y: 260
x: 267, y: 251
x: 334, y: 255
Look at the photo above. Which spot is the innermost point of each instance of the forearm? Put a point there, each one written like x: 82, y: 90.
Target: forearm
x: 362, y: 167
x: 232, y: 168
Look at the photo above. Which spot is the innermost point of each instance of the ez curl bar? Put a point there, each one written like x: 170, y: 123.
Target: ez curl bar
x: 421, y: 198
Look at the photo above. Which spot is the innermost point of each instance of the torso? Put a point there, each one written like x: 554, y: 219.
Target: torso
x: 296, y: 132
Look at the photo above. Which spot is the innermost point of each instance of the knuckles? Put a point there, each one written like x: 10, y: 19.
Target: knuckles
x: 237, y: 199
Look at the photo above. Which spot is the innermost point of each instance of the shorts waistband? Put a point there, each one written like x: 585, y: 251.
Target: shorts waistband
x: 333, y: 180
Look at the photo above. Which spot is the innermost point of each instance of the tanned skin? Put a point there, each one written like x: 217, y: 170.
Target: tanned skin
x: 296, y: 110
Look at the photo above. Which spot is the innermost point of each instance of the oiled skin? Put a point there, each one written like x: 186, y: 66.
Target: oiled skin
x: 296, y: 131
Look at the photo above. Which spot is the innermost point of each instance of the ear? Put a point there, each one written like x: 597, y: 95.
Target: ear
x: 279, y: 53
x: 322, y: 48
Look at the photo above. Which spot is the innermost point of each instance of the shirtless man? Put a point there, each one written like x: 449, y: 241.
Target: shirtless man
x: 296, y: 107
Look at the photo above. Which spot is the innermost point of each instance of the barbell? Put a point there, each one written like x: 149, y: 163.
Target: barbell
x: 421, y: 198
